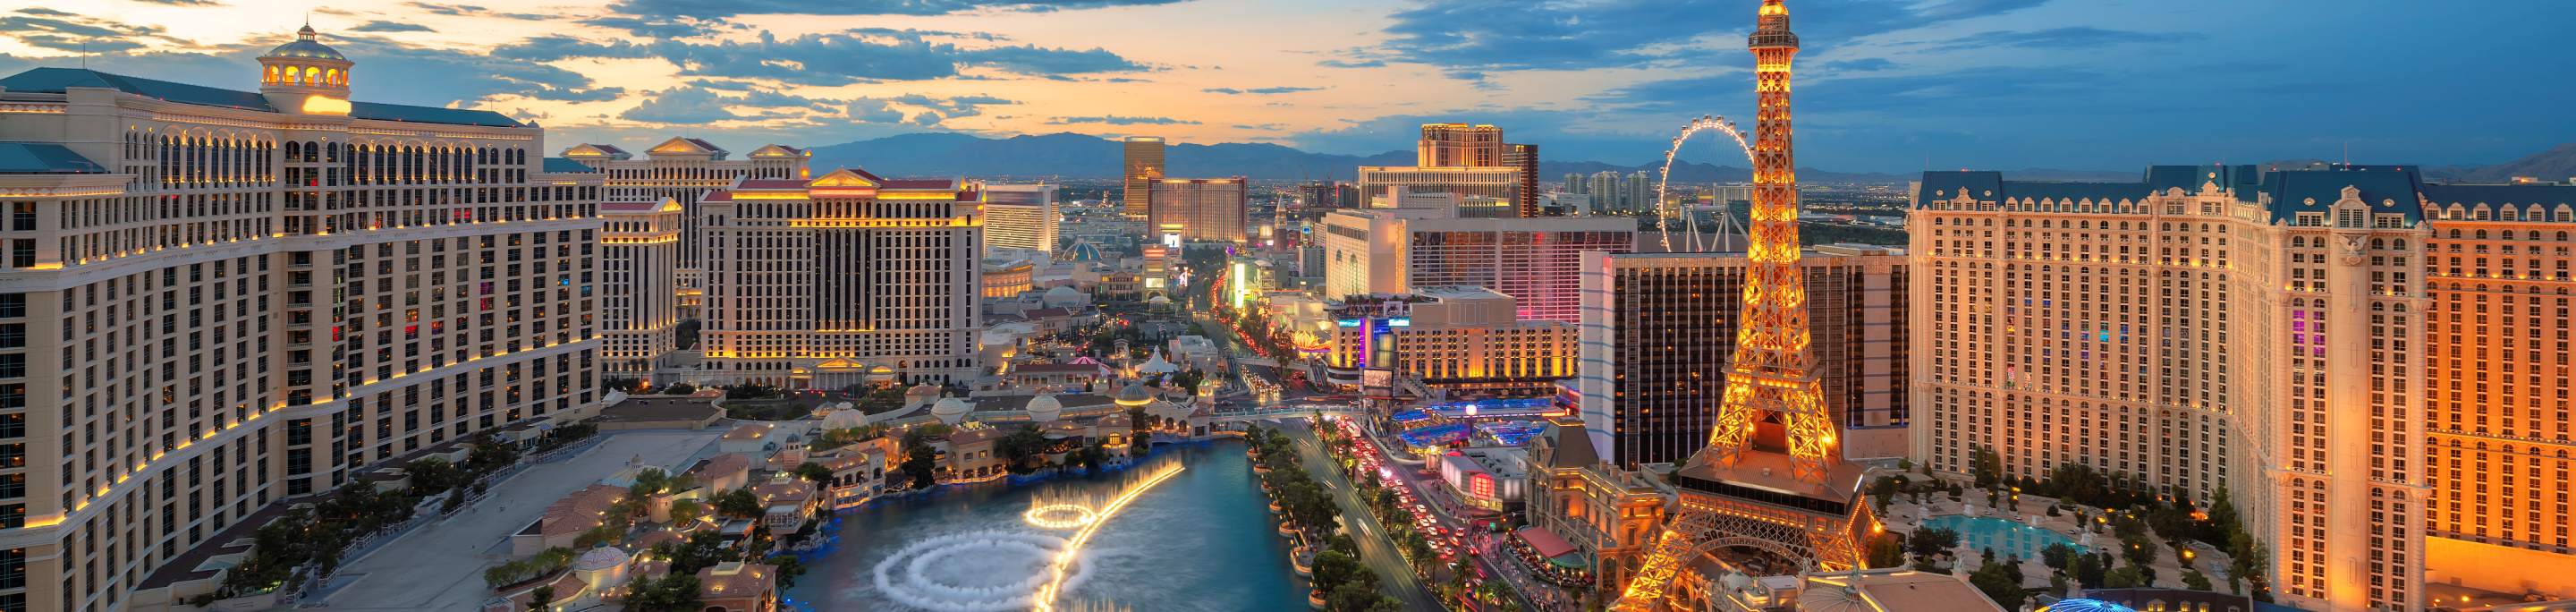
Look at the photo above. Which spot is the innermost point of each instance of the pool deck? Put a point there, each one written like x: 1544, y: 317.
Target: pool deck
x: 1901, y: 517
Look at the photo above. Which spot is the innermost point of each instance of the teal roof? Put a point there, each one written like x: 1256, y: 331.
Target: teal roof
x: 54, y: 80
x: 43, y: 158
x: 2388, y: 188
x: 560, y: 165
x: 429, y: 114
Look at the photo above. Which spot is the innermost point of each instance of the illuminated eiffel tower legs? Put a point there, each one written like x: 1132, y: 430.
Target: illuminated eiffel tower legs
x: 1772, y: 373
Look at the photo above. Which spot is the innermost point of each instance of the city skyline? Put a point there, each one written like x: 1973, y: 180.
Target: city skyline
x: 1972, y: 84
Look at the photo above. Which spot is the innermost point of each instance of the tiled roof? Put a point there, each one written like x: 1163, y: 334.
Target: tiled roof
x: 748, y: 431
x: 735, y: 579
x: 44, y: 158
x: 561, y: 165
x: 720, y: 466
x: 580, y: 511
x: 54, y: 80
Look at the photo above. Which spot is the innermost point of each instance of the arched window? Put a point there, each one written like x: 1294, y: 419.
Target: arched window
x: 2482, y: 234
x: 292, y: 150
x: 2562, y: 236
x: 2455, y: 233
x: 2400, y: 245
x: 2299, y: 241
x: 2377, y: 244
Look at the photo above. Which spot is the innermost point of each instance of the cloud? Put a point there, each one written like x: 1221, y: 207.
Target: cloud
x: 389, y: 26
x: 1117, y: 120
x: 2079, y: 37
x: 468, y: 10
x: 1264, y: 90
x: 827, y: 59
x: 1627, y: 33
x: 874, y: 111
x: 184, y: 2
x: 688, y: 105
x: 332, y: 11
x: 1126, y: 80
x: 62, y: 31
x: 1866, y: 64
x: 641, y: 28
x: 719, y: 9
x: 724, y: 85
x: 1375, y: 63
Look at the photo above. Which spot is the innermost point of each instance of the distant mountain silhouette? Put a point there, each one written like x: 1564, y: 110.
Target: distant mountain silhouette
x: 2557, y: 164
x: 1077, y: 155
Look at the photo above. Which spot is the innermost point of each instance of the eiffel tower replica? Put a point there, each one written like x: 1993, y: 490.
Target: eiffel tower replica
x: 1772, y: 477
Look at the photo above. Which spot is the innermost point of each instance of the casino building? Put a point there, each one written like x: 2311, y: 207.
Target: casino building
x: 215, y: 299
x: 2372, y: 366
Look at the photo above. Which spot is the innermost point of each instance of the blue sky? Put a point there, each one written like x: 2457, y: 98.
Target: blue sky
x: 1882, y: 86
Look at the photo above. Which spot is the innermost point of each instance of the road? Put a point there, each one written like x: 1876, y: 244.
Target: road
x: 1489, y: 558
x: 1376, y: 549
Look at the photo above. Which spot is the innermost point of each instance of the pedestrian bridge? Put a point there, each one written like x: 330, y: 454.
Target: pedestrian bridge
x: 1285, y: 411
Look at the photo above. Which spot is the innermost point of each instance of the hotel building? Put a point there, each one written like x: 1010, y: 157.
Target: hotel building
x: 1142, y: 165
x: 1198, y: 210
x: 685, y: 169
x: 1535, y: 261
x: 2178, y: 333
x: 1461, y: 339
x: 216, y: 299
x: 1020, y: 217
x: 818, y: 283
x: 639, y: 315
x: 1658, y: 330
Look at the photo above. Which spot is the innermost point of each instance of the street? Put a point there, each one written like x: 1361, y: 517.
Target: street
x: 1376, y: 549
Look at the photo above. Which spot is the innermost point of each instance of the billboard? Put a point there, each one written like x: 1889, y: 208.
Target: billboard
x: 1377, y: 383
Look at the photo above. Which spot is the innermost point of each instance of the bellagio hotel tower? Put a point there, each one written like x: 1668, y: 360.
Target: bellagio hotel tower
x: 216, y: 299
x: 2374, y: 368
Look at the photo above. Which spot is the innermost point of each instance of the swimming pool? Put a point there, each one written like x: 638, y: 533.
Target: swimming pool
x: 2006, y: 537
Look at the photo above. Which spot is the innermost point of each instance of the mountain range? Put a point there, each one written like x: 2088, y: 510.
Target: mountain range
x: 1073, y: 155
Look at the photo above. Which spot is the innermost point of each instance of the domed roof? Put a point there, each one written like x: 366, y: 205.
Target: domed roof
x: 950, y: 410
x: 1063, y: 291
x: 1045, y: 407
x: 844, y: 419
x: 1158, y: 300
x: 602, y: 558
x: 305, y: 46
x: 1134, y: 394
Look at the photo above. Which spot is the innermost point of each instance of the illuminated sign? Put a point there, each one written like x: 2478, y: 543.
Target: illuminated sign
x: 1378, y: 383
x: 1481, y: 484
x: 1172, y: 239
x: 1399, y: 322
x: 1347, y: 322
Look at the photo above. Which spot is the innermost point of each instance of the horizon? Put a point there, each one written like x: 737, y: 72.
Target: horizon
x: 1883, y: 85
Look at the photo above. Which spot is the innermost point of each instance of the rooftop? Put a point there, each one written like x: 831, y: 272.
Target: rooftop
x: 57, y: 80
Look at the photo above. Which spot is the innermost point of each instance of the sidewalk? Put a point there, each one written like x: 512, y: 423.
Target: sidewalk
x: 440, y: 565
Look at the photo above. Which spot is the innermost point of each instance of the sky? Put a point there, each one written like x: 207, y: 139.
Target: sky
x: 1883, y: 86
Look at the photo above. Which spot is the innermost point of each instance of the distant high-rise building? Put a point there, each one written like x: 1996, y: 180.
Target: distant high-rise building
x: 1459, y: 144
x: 1199, y: 209
x: 1496, y: 182
x: 1576, y: 183
x: 639, y: 263
x: 1322, y: 196
x: 1532, y: 260
x: 1605, y: 192
x: 1020, y: 217
x: 812, y: 283
x: 1639, y: 192
x: 1525, y: 157
x: 1144, y: 164
x: 684, y: 169
x: 1658, y: 330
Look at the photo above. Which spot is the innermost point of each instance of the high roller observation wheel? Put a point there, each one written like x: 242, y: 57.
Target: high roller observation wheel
x: 1667, y: 210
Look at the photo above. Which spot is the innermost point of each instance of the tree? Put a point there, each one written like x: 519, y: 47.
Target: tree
x: 2057, y: 556
x: 1021, y: 445
x: 539, y: 600
x: 1998, y: 584
x: 739, y: 503
x: 1886, y: 550
x: 813, y: 472
x: 685, y: 510
x: 2194, y: 580
x: 1333, y: 568
x: 679, y: 389
x: 2091, y: 569
x: 2126, y: 577
x: 916, y: 465
x: 1929, y: 541
x: 788, y: 569
x: 676, y: 592
x: 432, y: 475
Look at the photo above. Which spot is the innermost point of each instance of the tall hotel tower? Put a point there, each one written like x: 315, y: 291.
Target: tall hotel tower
x: 683, y: 170
x: 840, y: 280
x: 2373, y: 368
x: 1143, y: 165
x: 1772, y: 475
x: 215, y: 299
